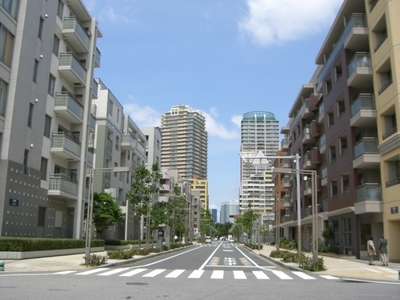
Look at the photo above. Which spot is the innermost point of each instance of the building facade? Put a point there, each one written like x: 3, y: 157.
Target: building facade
x: 343, y: 124
x: 153, y: 145
x: 184, y: 142
x: 229, y: 208
x: 259, y: 134
x: 47, y: 59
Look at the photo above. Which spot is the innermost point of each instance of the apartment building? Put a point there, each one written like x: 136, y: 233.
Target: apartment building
x: 47, y: 58
x: 184, y: 142
x: 259, y: 134
x: 118, y: 143
x: 343, y: 124
x: 228, y: 208
x: 200, y: 186
x: 153, y: 145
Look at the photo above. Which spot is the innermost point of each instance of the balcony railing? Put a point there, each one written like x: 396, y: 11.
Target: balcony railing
x: 68, y: 63
x: 65, y: 99
x: 72, y: 24
x: 363, y: 102
x: 66, y: 142
x: 366, y: 146
x: 369, y: 192
x: 62, y: 183
x: 360, y: 60
x: 356, y: 20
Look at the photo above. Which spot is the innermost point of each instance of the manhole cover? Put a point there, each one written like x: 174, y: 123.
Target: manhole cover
x: 137, y: 283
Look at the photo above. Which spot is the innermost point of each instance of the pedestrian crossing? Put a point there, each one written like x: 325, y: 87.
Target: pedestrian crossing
x: 197, y: 274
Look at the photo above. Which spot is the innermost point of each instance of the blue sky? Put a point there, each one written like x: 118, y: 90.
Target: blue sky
x: 223, y: 57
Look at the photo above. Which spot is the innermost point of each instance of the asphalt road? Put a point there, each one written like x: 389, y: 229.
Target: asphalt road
x: 217, y: 271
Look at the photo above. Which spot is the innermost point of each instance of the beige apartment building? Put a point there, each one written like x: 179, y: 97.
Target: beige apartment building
x: 343, y: 124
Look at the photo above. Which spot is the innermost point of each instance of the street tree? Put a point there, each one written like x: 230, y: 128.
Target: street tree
x: 144, y: 190
x: 106, y: 212
x: 206, y: 222
x: 176, y: 212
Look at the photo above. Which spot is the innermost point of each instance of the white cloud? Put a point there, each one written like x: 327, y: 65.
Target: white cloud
x: 217, y: 129
x: 111, y: 15
x: 237, y: 120
x: 271, y: 22
x: 143, y: 116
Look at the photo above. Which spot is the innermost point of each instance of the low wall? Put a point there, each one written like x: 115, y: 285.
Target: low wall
x: 46, y: 253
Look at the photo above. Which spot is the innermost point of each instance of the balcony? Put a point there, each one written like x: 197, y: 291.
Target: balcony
x: 285, y: 144
x: 97, y: 57
x: 76, y: 36
x: 95, y: 89
x: 305, y: 111
x: 129, y: 142
x: 356, y: 20
x: 92, y: 122
x: 68, y: 108
x: 366, y: 154
x: 363, y: 111
x: 307, y: 138
x: 368, y: 199
x: 61, y: 187
x: 71, y: 69
x: 287, y: 218
x: 307, y: 190
x: 286, y: 201
x: 89, y: 158
x: 65, y: 146
x: 359, y: 71
x: 109, y: 149
x: 286, y: 182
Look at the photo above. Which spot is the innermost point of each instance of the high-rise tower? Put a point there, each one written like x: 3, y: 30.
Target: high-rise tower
x: 184, y: 142
x: 259, y: 132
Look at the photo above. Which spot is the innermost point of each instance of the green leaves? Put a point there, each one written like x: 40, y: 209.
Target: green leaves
x: 106, y: 212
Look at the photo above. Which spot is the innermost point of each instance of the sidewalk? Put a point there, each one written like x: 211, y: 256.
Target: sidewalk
x: 344, y: 267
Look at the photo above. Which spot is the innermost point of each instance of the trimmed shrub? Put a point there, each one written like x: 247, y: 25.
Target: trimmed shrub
x: 307, y: 263
x: 39, y: 244
x: 95, y: 260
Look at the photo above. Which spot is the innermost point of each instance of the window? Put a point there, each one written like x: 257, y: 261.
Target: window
x: 10, y: 6
x: 35, y: 70
x: 30, y: 115
x: 40, y: 31
x: 60, y: 9
x: 115, y: 166
x: 345, y: 184
x: 390, y: 125
x: 56, y: 45
x: 26, y: 157
x: 380, y: 32
x: 43, y: 169
x: 116, y: 142
x: 332, y: 153
x: 47, y: 126
x: 331, y: 119
x: 41, y: 216
x: 385, y: 76
x: 328, y: 85
x: 110, y: 107
x: 334, y: 189
x: 52, y: 83
x: 343, y: 145
x: 6, y: 45
x: 341, y: 108
x: 338, y: 70
x: 3, y: 95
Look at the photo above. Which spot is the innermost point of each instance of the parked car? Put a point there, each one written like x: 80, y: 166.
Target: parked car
x: 231, y: 240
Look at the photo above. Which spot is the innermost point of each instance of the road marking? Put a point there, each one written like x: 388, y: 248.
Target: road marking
x: 303, y: 275
x: 93, y: 271
x: 175, y: 273
x: 281, y: 275
x: 154, y: 273
x: 64, y: 272
x: 372, y: 270
x: 239, y: 275
x: 196, y: 274
x: 217, y: 274
x: 260, y: 275
x: 328, y: 277
x: 208, y: 259
x: 115, y: 271
x: 133, y: 272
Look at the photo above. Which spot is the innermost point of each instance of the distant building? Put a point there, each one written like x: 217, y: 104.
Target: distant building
x: 184, y: 142
x: 214, y: 214
x: 228, y: 208
x: 201, y: 185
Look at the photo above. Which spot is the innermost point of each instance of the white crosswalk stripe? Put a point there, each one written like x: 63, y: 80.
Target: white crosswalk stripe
x: 197, y: 274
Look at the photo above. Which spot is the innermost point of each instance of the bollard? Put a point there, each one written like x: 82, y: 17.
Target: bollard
x: 2, y: 265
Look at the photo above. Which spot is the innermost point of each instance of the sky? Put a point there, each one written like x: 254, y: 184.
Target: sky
x: 223, y: 57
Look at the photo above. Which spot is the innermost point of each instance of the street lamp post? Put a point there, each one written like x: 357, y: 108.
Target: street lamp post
x: 314, y: 207
x: 89, y: 217
x: 250, y: 160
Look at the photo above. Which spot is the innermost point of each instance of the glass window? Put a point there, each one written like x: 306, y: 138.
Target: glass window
x: 43, y: 168
x: 56, y: 45
x: 6, y: 43
x: 40, y: 31
x: 47, y: 126
x: 30, y: 115
x: 60, y: 9
x: 26, y: 156
x: 52, y: 83
x: 35, y: 70
x: 3, y: 95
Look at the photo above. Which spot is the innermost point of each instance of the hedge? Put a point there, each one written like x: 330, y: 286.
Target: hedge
x: 17, y: 244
